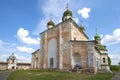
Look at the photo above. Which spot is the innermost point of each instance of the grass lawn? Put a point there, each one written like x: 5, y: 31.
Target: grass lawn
x: 56, y: 75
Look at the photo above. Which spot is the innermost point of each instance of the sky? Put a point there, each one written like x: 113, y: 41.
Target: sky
x: 21, y: 21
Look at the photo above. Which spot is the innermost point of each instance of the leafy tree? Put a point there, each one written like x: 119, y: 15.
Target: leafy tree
x: 109, y: 61
x: 119, y: 63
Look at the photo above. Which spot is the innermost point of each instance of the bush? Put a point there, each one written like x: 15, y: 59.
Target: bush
x: 109, y: 61
x: 115, y: 68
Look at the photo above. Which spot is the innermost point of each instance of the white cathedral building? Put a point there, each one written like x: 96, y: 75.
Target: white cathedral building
x: 65, y: 45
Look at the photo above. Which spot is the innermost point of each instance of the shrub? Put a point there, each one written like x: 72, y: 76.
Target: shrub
x: 115, y: 68
x: 109, y: 61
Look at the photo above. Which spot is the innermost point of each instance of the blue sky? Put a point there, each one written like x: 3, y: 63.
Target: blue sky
x: 21, y: 21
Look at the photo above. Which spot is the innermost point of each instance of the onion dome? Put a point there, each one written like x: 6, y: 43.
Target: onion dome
x: 12, y: 56
x: 50, y: 23
x: 101, y: 47
x: 67, y: 13
x: 82, y: 28
x: 97, y: 37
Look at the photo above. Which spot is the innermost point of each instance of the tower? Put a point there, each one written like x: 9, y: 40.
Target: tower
x: 103, y: 53
x: 12, y: 62
x: 97, y: 38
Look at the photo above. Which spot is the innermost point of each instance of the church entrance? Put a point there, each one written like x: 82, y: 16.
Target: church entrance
x: 51, y: 62
x: 77, y: 60
x: 52, y: 53
x: 13, y: 67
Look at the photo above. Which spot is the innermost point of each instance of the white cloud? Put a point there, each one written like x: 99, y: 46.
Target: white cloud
x: 115, y: 58
x: 84, y: 12
x: 1, y: 42
x: 23, y: 58
x: 112, y: 39
x: 54, y: 7
x: 3, y: 57
x: 25, y: 49
x: 23, y: 36
x: 76, y: 20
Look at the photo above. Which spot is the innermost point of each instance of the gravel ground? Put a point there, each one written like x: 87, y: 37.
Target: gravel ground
x: 116, y: 77
x: 4, y: 75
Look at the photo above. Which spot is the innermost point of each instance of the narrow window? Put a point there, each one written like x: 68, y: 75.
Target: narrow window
x: 51, y: 62
x: 74, y: 38
x: 12, y: 61
x: 103, y: 60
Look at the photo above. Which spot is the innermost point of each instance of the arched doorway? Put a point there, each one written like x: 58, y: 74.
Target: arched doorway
x: 36, y: 63
x: 52, y: 53
x: 77, y: 59
x: 13, y: 67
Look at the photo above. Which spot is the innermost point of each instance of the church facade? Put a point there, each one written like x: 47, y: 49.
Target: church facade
x: 65, y: 45
x: 12, y: 63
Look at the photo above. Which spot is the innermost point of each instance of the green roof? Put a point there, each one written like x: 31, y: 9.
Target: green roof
x: 101, y: 47
x: 82, y: 28
x: 97, y: 37
x: 67, y: 13
x: 50, y: 23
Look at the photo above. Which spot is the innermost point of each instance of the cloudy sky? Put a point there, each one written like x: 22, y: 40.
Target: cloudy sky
x: 21, y: 21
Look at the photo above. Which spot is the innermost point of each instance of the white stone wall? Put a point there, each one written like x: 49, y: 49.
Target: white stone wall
x: 3, y: 66
x: 90, y: 55
x: 76, y: 34
x: 23, y: 66
x: 52, y: 52
x: 106, y: 59
x: 98, y: 64
x: 93, y: 57
x: 10, y: 66
x: 36, y: 56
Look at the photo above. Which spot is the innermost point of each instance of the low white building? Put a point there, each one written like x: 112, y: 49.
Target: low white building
x: 12, y: 63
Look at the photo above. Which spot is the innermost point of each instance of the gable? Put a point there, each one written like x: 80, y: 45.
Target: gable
x: 76, y: 33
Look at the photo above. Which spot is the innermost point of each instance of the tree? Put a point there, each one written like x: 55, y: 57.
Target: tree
x: 109, y: 61
x: 119, y: 63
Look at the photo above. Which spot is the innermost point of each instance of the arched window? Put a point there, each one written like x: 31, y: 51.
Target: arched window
x: 103, y: 60
x: 36, y: 63
x: 12, y: 61
x: 52, y: 53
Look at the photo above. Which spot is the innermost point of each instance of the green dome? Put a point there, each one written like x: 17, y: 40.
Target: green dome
x: 50, y: 23
x: 67, y: 13
x: 101, y: 47
x: 97, y: 37
x: 82, y: 28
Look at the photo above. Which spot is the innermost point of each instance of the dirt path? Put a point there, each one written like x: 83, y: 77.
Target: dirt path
x: 4, y: 75
x: 116, y: 77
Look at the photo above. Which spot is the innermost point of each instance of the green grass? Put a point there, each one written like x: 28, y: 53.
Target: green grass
x: 115, y: 68
x: 56, y: 75
x: 3, y: 70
